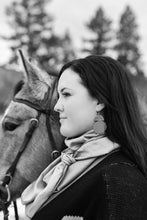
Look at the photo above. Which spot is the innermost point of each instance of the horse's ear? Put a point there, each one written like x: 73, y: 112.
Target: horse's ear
x: 32, y: 72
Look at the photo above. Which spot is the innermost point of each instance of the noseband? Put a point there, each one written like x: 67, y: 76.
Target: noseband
x: 32, y: 126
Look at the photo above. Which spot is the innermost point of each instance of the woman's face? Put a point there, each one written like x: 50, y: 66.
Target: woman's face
x: 76, y: 107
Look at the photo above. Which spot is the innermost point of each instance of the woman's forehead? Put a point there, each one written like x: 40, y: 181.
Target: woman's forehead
x: 69, y: 79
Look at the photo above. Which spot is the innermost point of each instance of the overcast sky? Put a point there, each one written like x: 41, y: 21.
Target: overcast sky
x: 73, y: 14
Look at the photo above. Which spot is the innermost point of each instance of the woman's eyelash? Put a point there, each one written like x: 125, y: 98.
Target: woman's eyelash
x: 65, y: 94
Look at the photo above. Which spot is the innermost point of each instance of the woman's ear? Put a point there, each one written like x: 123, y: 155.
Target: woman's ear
x: 100, y: 106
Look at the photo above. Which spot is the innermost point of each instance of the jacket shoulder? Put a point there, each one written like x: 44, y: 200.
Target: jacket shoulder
x: 119, y: 169
x: 125, y: 188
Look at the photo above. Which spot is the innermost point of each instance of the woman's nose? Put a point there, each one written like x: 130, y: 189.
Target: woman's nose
x: 58, y: 106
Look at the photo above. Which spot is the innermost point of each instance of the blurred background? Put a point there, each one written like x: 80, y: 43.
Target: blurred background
x: 53, y: 32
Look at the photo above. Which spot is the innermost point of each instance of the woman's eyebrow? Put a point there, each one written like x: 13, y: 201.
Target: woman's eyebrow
x: 64, y: 88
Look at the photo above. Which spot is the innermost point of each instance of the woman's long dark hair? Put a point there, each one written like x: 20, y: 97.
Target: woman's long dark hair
x: 107, y: 80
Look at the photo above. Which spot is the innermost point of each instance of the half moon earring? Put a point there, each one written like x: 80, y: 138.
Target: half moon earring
x: 99, y: 126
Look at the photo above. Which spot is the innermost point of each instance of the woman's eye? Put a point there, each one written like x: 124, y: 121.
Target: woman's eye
x: 66, y: 94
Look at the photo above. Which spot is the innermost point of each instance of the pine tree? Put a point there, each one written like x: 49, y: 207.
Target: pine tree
x: 100, y: 27
x: 127, y: 42
x: 67, y: 48
x: 32, y: 27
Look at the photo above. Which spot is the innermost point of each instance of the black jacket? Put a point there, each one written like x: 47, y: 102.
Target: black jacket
x: 115, y: 189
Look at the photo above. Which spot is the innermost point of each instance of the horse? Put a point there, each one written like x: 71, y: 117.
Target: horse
x: 29, y: 132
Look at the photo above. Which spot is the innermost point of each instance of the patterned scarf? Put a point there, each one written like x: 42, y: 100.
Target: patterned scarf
x: 80, y: 154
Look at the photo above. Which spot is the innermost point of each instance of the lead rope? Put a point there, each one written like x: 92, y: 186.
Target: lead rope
x: 16, y: 210
x: 6, y: 211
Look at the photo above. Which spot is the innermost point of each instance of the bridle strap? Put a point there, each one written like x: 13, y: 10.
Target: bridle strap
x: 10, y: 172
x: 47, y: 112
x: 32, y: 105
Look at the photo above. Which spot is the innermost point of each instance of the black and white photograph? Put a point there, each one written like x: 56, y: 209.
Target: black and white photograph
x: 73, y: 110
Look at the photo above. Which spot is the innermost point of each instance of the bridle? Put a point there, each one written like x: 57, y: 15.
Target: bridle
x: 32, y: 126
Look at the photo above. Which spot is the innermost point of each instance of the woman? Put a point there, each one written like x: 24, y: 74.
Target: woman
x: 102, y: 173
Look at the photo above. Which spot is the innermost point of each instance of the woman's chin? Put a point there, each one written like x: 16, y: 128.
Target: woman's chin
x: 65, y: 132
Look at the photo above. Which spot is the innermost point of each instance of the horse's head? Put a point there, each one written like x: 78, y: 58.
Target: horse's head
x: 34, y: 99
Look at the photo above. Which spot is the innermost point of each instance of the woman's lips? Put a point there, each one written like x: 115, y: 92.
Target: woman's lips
x: 62, y: 118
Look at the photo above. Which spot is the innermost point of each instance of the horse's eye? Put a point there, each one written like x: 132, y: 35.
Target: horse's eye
x: 9, y: 126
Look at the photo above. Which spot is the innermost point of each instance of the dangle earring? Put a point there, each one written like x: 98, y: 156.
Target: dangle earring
x: 99, y: 126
